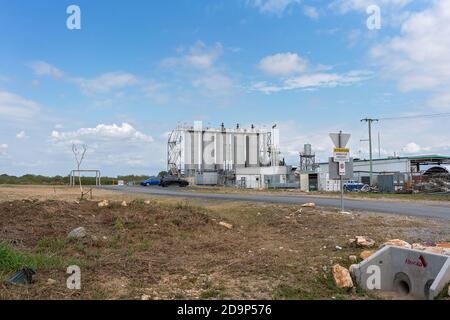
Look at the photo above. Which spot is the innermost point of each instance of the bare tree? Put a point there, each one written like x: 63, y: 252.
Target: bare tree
x: 79, y: 157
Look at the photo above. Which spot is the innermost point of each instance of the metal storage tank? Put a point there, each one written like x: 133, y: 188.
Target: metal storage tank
x: 220, y: 149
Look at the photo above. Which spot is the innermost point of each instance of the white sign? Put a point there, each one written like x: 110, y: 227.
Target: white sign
x: 343, y: 137
x: 341, y: 157
x: 342, y: 168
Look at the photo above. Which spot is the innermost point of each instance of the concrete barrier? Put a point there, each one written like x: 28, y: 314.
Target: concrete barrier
x: 413, y: 273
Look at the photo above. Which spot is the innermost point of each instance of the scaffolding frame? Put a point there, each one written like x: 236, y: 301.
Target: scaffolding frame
x: 98, y: 176
x: 174, y: 150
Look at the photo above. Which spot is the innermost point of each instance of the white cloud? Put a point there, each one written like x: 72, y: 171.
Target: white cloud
x: 283, y: 64
x: 273, y: 6
x: 412, y: 147
x: 15, y: 107
x: 42, y: 68
x: 199, y: 67
x: 199, y: 55
x: 111, y: 147
x: 314, y: 81
x: 419, y: 58
x: 156, y: 92
x: 21, y: 135
x: 102, y: 133
x: 345, y: 6
x: 311, y: 12
x: 216, y: 83
x: 107, y: 82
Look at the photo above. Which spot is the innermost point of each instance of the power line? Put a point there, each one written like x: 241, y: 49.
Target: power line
x: 435, y: 115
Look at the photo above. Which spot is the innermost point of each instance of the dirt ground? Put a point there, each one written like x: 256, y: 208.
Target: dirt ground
x: 176, y: 249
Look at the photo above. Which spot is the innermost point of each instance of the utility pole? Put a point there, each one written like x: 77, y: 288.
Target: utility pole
x: 369, y: 122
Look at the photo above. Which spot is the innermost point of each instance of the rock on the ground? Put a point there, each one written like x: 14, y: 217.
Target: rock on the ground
x: 103, y: 203
x: 78, y: 233
x: 364, y: 242
x: 418, y: 246
x: 124, y: 204
x: 145, y: 297
x: 226, y: 225
x: 342, y: 277
x: 439, y: 248
x: 397, y: 243
x: 51, y: 282
x: 366, y: 254
x: 353, y: 258
x: 309, y: 205
x: 147, y: 202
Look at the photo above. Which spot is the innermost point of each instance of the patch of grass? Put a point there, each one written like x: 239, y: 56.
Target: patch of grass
x: 138, y: 202
x: 213, y: 292
x: 13, y: 260
x: 183, y: 235
x: 51, y: 245
x: 118, y: 225
x: 186, y: 206
x: 291, y: 293
x: 443, y: 295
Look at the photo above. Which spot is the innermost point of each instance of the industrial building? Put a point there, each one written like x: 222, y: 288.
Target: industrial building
x: 250, y: 158
x: 393, y: 174
x: 247, y: 157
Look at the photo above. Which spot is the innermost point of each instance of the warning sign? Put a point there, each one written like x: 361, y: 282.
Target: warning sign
x: 341, y: 150
x: 341, y: 155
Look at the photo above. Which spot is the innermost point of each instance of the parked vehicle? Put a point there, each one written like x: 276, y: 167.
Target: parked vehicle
x: 151, y: 182
x: 356, y: 186
x: 173, y: 180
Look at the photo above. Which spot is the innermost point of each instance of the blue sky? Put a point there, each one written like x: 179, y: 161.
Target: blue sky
x: 136, y: 69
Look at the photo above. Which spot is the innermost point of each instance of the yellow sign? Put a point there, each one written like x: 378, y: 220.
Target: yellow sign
x: 344, y: 150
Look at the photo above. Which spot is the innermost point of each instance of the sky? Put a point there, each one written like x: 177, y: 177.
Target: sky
x: 134, y: 70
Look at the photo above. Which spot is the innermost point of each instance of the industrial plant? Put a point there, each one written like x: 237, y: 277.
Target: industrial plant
x: 247, y: 157
x: 250, y: 158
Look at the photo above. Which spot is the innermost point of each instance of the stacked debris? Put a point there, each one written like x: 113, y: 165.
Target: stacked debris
x: 433, y: 184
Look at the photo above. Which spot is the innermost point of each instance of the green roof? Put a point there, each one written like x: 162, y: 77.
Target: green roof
x: 421, y: 157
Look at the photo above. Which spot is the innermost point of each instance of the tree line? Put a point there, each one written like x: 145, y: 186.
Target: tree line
x: 32, y: 179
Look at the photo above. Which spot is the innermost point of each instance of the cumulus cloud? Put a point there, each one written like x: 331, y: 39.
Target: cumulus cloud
x: 419, y: 58
x: 200, y: 68
x: 199, y: 55
x: 283, y: 64
x: 345, y: 6
x: 214, y: 82
x: 412, y: 147
x: 107, y: 82
x: 15, y: 107
x: 311, y: 12
x: 273, y: 6
x: 102, y: 132
x: 42, y: 68
x: 110, y: 147
x: 314, y: 81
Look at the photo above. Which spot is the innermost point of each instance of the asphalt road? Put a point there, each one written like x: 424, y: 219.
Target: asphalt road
x: 425, y: 209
